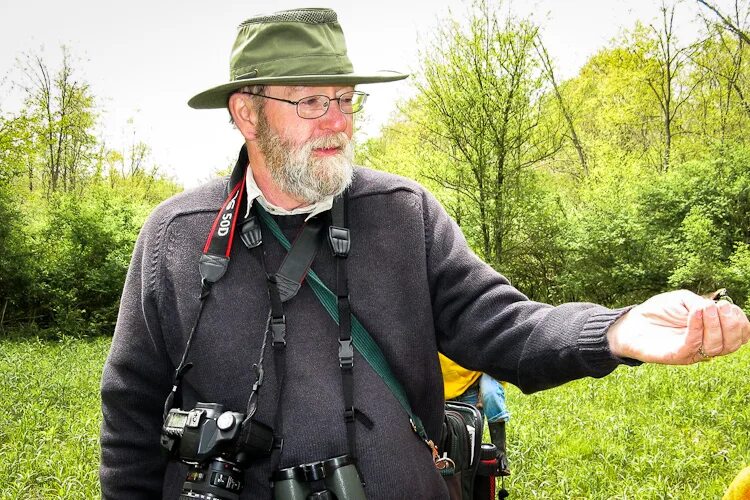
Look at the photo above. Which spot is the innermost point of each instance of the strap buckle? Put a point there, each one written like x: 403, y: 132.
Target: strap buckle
x: 340, y: 241
x: 346, y: 353
x: 349, y: 414
x: 250, y: 232
x: 278, y: 331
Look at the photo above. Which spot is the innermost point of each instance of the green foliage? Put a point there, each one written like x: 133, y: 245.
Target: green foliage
x: 698, y: 262
x: 699, y: 212
x: 71, y: 208
x: 64, y: 258
x: 60, y: 116
x: 477, y: 108
x: 612, y: 259
x: 580, y: 190
x: 617, y: 116
x: 737, y: 275
x: 14, y: 249
x: 83, y: 249
x: 719, y: 113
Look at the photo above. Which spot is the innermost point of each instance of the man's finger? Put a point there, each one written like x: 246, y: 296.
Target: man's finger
x: 695, y: 328
x: 744, y: 325
x: 694, y: 338
x: 733, y: 325
x: 713, y: 338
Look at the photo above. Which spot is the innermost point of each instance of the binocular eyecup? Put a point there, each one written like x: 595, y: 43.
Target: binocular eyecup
x: 332, y: 479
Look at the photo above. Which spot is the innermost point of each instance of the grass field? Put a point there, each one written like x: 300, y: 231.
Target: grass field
x: 49, y: 418
x: 645, y: 433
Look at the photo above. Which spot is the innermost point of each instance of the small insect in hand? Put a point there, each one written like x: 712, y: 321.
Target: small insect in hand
x: 720, y: 294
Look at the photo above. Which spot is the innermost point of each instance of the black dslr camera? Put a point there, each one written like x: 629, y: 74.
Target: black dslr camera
x: 218, y: 445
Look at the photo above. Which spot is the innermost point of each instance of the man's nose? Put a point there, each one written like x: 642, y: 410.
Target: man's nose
x: 334, y: 120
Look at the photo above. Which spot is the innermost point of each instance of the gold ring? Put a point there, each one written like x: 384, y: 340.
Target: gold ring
x: 702, y: 353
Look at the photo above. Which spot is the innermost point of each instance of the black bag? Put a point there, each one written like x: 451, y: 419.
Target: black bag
x: 461, y: 441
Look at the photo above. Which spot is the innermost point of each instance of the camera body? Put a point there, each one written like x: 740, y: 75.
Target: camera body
x: 216, y: 446
x: 201, y: 433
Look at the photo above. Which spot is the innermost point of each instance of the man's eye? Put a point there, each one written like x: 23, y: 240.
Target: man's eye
x: 311, y: 102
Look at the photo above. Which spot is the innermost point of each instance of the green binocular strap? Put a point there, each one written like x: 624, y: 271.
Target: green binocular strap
x: 362, y: 340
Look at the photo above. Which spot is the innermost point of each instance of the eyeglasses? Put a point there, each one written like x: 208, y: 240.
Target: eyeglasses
x: 316, y: 106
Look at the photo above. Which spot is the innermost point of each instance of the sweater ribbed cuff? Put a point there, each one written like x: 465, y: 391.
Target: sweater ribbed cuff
x: 593, y: 343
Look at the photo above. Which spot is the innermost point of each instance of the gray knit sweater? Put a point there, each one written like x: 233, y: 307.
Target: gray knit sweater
x: 414, y: 284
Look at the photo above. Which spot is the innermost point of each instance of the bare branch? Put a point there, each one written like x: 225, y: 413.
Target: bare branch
x: 726, y: 20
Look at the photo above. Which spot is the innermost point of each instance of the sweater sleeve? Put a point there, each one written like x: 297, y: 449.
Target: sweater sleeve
x: 485, y: 324
x: 135, y: 383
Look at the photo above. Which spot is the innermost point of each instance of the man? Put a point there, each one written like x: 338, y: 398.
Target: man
x: 413, y: 283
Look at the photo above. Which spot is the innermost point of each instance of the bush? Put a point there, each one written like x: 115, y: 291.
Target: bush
x: 14, y: 251
x: 82, y: 251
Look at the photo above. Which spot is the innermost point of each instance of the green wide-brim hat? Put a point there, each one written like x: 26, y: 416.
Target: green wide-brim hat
x: 291, y: 47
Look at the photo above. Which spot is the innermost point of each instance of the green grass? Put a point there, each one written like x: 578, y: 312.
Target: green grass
x: 651, y: 432
x: 645, y: 433
x: 49, y: 418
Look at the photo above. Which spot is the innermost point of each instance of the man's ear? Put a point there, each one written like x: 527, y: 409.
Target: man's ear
x: 244, y: 114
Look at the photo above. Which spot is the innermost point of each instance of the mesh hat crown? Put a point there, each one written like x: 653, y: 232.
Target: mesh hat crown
x: 291, y: 47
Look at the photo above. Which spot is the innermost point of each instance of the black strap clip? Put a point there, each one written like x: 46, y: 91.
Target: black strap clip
x: 346, y: 353
x: 250, y: 232
x: 278, y: 331
x: 340, y: 241
x: 349, y: 414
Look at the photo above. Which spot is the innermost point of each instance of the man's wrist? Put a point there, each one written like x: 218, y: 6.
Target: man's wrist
x: 614, y: 335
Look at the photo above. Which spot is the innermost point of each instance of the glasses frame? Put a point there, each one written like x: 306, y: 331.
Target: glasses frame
x: 327, y: 106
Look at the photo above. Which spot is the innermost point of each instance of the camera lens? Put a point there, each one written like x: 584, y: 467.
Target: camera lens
x: 216, y: 480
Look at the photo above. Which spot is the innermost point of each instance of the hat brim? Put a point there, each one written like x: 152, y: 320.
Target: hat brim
x: 218, y: 96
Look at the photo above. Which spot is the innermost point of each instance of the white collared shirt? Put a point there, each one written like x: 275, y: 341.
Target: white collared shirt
x: 254, y: 192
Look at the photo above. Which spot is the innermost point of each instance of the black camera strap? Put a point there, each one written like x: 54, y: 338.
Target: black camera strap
x: 338, y: 237
x: 283, y: 286
x: 212, y: 265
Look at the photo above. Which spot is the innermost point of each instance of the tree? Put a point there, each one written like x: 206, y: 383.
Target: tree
x: 61, y: 109
x: 670, y: 95
x: 732, y: 24
x: 563, y: 105
x: 66, y: 234
x: 479, y: 106
x: 723, y: 99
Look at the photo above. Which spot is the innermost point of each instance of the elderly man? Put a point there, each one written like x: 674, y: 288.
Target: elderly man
x: 234, y: 352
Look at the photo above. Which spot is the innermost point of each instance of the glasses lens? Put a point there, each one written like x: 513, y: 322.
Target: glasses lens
x: 313, y: 106
x: 352, y: 102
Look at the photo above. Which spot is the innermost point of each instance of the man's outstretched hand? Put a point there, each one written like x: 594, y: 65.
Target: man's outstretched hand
x: 679, y: 328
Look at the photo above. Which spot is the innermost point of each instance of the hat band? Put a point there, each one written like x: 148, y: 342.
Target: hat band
x: 295, y: 66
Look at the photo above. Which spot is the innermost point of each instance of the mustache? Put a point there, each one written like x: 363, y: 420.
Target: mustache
x: 338, y: 140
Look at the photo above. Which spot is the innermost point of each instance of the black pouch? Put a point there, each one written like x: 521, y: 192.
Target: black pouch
x: 461, y: 441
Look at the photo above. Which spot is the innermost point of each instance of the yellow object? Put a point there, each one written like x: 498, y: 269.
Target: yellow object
x: 456, y: 378
x: 740, y: 487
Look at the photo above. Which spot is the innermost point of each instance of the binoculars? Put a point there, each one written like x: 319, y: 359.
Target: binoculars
x: 333, y: 479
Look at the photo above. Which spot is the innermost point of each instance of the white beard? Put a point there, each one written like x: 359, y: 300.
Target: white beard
x: 298, y: 172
